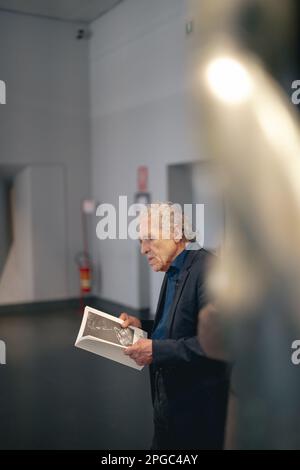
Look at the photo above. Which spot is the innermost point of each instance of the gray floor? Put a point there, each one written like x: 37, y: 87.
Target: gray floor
x: 55, y: 396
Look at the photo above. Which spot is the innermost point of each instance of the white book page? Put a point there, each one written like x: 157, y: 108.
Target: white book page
x: 102, y: 334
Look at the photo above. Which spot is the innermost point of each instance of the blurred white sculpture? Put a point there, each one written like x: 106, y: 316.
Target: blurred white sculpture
x: 251, y: 132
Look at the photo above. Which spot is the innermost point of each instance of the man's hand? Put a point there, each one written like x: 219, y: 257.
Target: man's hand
x: 140, y: 352
x: 129, y: 321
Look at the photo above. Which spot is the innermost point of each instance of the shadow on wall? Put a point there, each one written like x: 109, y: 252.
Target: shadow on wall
x: 5, y: 220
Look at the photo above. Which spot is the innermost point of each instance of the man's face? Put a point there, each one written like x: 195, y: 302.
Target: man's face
x: 160, y: 252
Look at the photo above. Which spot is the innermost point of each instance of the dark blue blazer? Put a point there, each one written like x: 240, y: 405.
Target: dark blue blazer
x: 196, y: 386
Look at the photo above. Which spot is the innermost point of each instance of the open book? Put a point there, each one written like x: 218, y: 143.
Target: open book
x: 102, y: 334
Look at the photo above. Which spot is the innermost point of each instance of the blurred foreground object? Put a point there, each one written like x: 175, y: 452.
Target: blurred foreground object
x: 251, y: 132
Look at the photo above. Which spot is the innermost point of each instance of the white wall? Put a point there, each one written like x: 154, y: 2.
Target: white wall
x: 46, y: 118
x: 138, y: 103
x: 48, y: 231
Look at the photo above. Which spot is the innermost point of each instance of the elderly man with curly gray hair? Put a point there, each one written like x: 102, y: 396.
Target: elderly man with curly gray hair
x: 189, y: 389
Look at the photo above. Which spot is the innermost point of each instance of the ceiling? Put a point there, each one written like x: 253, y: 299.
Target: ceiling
x: 67, y: 10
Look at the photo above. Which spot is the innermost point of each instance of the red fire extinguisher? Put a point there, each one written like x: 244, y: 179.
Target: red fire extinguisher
x: 85, y: 272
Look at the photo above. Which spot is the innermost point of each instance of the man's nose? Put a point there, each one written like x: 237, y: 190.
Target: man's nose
x: 144, y: 247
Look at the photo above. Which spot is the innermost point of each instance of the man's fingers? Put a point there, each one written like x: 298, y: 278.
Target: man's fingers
x: 125, y: 319
x: 131, y: 351
x: 128, y: 351
x: 135, y: 355
x: 138, y: 354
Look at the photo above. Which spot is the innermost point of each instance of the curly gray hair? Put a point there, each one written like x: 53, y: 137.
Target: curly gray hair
x: 169, y: 218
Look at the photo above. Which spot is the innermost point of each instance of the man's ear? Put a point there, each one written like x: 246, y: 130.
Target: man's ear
x: 177, y: 234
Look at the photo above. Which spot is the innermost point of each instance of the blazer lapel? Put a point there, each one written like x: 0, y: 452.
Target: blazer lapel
x: 160, y: 303
x: 181, y: 283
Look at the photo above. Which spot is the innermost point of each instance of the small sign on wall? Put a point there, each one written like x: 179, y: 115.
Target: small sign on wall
x: 142, y: 196
x: 142, y: 179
